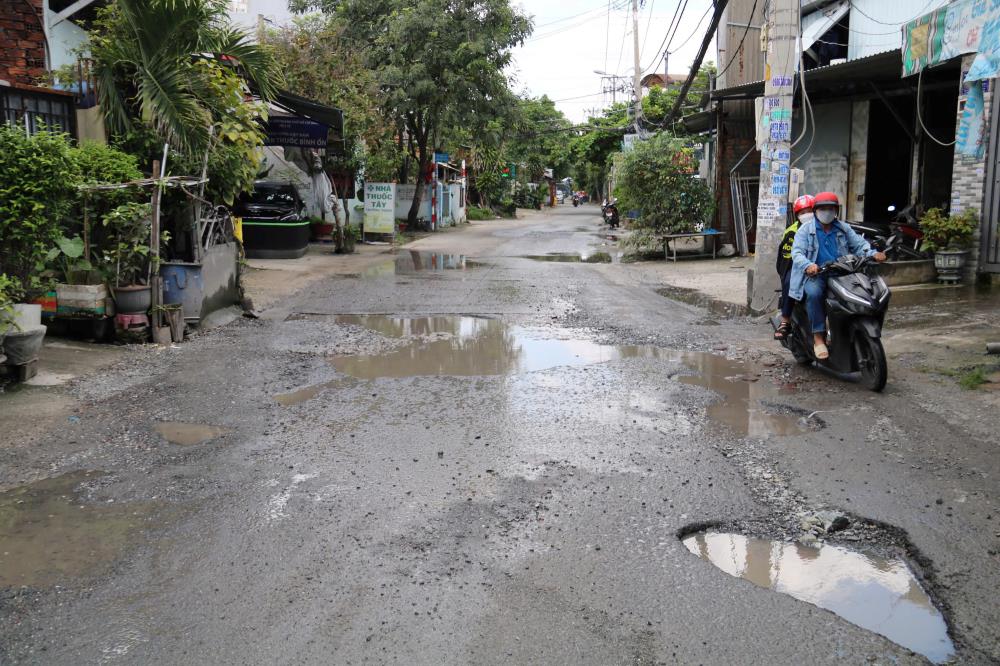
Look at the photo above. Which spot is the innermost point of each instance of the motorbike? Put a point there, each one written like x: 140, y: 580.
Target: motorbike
x: 901, y: 238
x: 610, y: 212
x: 576, y: 201
x: 856, y: 305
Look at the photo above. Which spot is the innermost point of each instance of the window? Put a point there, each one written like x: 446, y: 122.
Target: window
x: 35, y: 110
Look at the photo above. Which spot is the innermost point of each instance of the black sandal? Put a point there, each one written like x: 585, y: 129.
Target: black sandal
x: 784, y: 328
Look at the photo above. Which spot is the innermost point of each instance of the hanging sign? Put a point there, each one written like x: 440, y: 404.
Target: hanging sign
x: 380, y: 208
x: 295, y: 132
x: 964, y: 26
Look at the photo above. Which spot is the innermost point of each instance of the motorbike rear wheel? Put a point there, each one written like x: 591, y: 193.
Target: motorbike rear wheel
x: 870, y: 356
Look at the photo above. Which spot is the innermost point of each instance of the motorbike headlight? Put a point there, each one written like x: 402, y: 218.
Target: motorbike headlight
x: 844, y: 293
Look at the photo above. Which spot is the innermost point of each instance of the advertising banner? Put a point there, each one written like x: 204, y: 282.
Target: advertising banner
x: 380, y: 208
x: 964, y: 26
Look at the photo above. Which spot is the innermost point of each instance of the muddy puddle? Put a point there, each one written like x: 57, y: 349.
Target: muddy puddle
x: 878, y: 594
x: 49, y: 532
x: 475, y: 346
x: 413, y: 262
x: 304, y: 394
x: 575, y: 257
x: 694, y: 297
x: 188, y: 434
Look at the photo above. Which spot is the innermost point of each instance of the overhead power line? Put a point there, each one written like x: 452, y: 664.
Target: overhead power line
x: 720, y: 6
x: 670, y: 27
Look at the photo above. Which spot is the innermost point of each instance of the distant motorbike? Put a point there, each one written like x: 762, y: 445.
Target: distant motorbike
x: 856, y: 305
x: 576, y: 201
x: 610, y: 212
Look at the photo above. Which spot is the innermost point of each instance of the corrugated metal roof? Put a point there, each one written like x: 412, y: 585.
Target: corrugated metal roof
x: 885, y: 66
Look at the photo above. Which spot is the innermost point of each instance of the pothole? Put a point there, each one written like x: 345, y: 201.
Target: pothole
x: 716, y: 307
x: 414, y: 261
x: 474, y: 346
x: 880, y: 594
x: 188, y: 434
x: 49, y: 533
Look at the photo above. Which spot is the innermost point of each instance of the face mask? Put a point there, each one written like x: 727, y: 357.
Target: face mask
x: 805, y: 218
x: 826, y: 216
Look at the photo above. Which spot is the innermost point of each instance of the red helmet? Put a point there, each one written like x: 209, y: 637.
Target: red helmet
x: 805, y: 202
x: 826, y: 199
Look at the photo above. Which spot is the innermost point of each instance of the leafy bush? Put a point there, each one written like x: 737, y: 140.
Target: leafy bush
x: 656, y: 178
x: 38, y: 179
x: 948, y: 232
x: 124, y: 257
x: 9, y: 294
x: 99, y: 163
x: 476, y: 213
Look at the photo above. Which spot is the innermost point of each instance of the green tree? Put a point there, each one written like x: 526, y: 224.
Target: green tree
x: 440, y: 63
x: 657, y: 179
x: 175, y: 71
x: 321, y: 63
x: 542, y: 140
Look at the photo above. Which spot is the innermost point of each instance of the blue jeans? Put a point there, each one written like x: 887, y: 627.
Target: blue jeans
x: 787, y: 302
x: 815, y: 295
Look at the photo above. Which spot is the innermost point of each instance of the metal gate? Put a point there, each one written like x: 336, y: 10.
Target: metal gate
x: 989, y: 257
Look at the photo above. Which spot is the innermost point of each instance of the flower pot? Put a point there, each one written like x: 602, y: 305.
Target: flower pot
x: 133, y: 299
x: 322, y: 230
x: 22, y: 346
x: 950, y: 264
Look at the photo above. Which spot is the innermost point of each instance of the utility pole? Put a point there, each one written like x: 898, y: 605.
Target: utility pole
x: 637, y: 73
x: 776, y: 123
x: 666, y: 69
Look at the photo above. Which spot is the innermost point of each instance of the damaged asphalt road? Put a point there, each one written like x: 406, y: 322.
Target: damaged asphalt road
x: 487, y: 460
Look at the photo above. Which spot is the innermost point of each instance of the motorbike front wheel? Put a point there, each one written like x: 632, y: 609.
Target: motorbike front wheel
x: 870, y: 356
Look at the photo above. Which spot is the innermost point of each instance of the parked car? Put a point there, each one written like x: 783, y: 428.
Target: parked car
x: 275, y: 221
x: 560, y: 196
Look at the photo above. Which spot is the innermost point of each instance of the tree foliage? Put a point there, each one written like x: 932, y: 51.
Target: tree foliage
x: 175, y: 71
x: 319, y: 62
x: 439, y: 63
x: 657, y: 179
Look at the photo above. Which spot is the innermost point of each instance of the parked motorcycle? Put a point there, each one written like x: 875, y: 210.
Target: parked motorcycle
x: 610, y: 212
x: 856, y: 304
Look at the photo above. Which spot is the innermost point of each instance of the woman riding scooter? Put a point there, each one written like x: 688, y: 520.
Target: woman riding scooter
x: 819, y: 242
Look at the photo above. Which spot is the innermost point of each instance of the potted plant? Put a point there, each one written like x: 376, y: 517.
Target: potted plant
x: 322, y: 229
x: 350, y: 239
x: 125, y: 257
x: 6, y: 309
x: 949, y: 237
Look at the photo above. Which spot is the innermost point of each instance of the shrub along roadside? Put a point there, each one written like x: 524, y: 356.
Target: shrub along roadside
x: 657, y: 179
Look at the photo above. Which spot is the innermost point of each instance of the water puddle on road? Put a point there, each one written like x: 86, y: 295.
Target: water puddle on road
x: 303, y: 394
x: 476, y: 346
x: 574, y: 257
x: 878, y: 594
x: 414, y: 261
x: 188, y: 434
x: 48, y: 533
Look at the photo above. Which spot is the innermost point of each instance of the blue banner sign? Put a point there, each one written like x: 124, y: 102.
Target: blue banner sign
x: 295, y: 132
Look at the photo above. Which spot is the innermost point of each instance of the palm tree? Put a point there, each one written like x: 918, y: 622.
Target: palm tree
x: 146, y: 64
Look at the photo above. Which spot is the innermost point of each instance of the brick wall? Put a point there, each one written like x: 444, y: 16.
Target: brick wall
x: 22, y: 41
x: 735, y: 138
x: 968, y: 174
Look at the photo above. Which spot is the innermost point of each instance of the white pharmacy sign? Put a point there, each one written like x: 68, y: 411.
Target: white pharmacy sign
x: 380, y: 208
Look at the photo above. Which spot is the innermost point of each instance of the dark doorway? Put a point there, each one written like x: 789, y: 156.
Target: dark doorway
x: 938, y: 114
x: 889, y: 151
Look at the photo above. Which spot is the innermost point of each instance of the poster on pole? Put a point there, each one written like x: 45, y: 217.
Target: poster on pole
x: 380, y: 208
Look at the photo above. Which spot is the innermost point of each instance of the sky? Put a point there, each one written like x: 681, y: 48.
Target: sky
x: 572, y: 38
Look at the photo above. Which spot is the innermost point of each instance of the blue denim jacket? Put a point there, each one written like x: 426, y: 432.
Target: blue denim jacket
x: 806, y: 249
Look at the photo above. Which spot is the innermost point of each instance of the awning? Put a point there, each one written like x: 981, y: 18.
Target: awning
x: 878, y: 68
x: 816, y: 24
x: 702, y: 121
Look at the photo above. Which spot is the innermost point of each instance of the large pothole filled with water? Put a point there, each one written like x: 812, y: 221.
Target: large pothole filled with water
x: 467, y: 346
x: 879, y: 593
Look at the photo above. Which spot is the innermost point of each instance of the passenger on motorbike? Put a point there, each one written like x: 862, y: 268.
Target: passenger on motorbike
x: 802, y: 212
x: 818, y: 242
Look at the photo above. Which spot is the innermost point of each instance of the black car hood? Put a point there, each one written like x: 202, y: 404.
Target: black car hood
x: 264, y: 211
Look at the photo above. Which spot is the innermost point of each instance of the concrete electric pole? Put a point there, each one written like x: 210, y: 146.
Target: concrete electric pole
x: 637, y: 73
x: 775, y: 123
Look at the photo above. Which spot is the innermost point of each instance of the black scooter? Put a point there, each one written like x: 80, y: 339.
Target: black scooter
x: 856, y: 304
x: 610, y: 212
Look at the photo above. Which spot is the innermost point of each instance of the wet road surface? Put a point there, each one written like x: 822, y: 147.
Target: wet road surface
x: 468, y: 454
